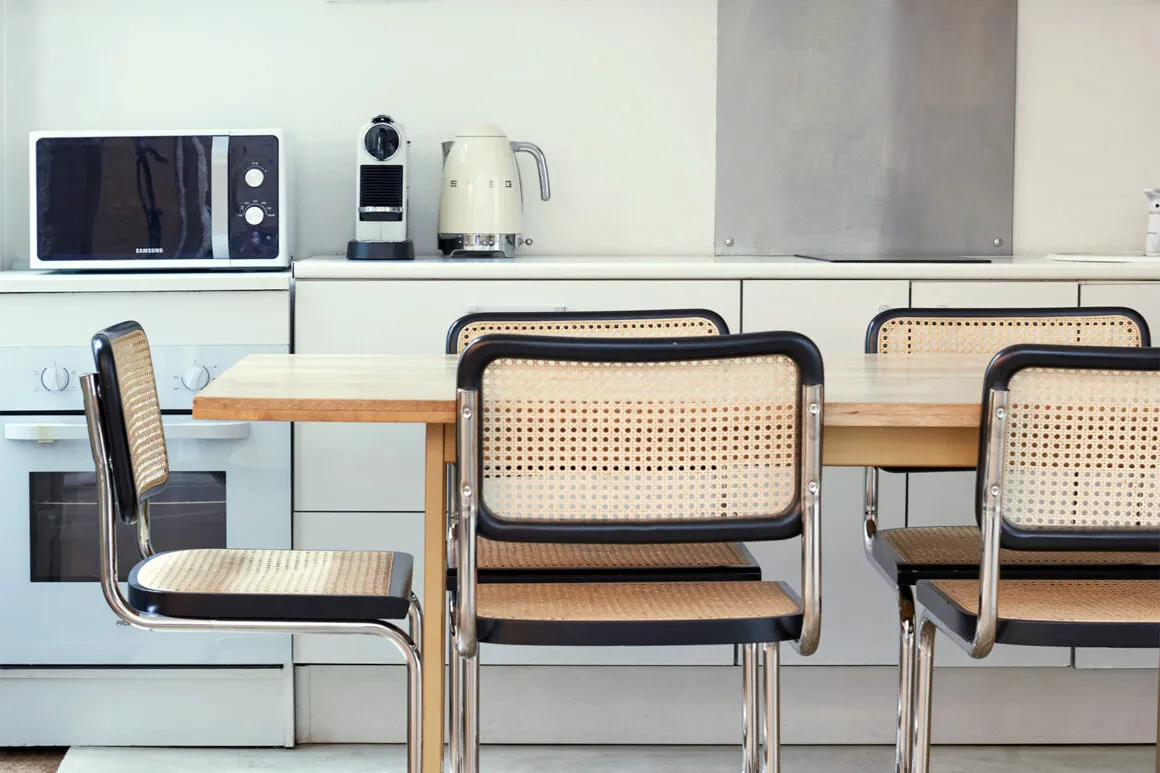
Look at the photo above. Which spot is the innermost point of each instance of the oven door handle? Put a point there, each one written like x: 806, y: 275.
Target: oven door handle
x: 51, y: 432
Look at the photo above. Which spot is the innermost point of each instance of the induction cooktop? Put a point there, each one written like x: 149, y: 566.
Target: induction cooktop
x: 886, y: 258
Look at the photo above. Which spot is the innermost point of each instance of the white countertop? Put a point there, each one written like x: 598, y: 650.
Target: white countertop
x: 708, y: 267
x: 19, y: 281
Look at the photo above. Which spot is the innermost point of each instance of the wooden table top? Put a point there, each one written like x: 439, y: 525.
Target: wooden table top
x: 929, y: 391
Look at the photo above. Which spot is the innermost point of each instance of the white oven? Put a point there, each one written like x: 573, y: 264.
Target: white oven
x: 229, y: 487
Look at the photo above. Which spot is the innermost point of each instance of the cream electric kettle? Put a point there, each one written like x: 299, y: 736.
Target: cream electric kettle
x: 481, y: 209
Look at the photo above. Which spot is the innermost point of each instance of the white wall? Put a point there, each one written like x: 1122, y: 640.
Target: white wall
x: 620, y: 94
x: 1088, y: 125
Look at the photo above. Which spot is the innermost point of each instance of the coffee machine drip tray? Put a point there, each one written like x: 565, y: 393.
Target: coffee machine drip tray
x: 887, y: 258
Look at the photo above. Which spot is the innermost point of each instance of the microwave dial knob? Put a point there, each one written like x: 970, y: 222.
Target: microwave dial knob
x: 255, y: 215
x: 54, y: 379
x: 255, y: 177
x: 196, y: 378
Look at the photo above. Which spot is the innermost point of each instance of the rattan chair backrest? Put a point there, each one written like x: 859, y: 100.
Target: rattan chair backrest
x: 132, y: 414
x: 675, y: 323
x: 1081, y: 447
x: 605, y: 441
x: 986, y: 331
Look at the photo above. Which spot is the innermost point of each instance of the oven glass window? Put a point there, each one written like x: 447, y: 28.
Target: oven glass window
x: 189, y: 513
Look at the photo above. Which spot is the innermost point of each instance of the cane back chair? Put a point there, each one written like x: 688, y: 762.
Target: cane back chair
x: 546, y: 562
x: 1069, y: 462
x: 647, y: 442
x: 281, y: 591
x: 907, y: 555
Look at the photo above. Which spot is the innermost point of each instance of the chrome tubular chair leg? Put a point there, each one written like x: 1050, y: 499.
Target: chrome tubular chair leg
x: 415, y: 621
x: 904, y: 740
x: 922, y: 701
x: 772, y: 707
x: 455, y: 697
x: 470, y: 713
x: 750, y: 710
x: 414, y: 709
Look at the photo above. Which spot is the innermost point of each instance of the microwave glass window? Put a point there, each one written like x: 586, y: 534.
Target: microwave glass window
x: 189, y: 513
x: 124, y: 198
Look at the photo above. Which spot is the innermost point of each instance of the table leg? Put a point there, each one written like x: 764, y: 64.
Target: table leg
x: 434, y: 593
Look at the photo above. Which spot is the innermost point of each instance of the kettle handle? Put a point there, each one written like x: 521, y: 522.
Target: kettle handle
x: 541, y: 164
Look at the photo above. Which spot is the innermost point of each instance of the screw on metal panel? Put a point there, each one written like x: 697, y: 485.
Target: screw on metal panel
x: 813, y: 409
x: 813, y: 487
x: 466, y: 413
x: 994, y: 491
x: 1000, y: 414
x: 998, y: 242
x: 467, y: 490
x: 729, y: 242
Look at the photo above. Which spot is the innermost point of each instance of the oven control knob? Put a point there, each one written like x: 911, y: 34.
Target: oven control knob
x: 54, y: 379
x: 254, y: 215
x: 196, y: 378
x: 254, y: 177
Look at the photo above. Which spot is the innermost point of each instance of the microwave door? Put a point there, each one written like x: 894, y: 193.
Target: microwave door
x: 135, y: 199
x: 229, y: 487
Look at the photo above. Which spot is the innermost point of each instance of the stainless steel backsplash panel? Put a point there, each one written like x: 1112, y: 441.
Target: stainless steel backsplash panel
x: 883, y: 126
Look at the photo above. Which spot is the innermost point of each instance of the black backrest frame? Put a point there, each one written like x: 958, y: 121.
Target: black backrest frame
x: 1002, y: 369
x: 452, y: 346
x: 126, y: 501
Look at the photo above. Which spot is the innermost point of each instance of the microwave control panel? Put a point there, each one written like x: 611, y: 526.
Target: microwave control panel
x: 255, y: 211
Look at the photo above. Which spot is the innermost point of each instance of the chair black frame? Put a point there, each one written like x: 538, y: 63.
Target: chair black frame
x: 977, y: 633
x: 801, y: 518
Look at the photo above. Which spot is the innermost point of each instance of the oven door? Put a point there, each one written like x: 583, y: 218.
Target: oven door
x: 229, y: 487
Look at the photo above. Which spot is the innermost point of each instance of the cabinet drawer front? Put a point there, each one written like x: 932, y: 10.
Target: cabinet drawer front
x: 992, y: 294
x: 380, y: 468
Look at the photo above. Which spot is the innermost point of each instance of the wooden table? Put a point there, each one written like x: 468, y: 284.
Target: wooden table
x: 879, y: 411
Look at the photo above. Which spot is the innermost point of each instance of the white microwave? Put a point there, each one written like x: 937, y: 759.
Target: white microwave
x: 172, y: 200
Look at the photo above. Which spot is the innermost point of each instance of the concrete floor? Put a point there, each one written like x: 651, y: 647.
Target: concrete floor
x: 631, y: 759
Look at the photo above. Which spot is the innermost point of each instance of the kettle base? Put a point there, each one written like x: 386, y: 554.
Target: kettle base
x: 478, y: 245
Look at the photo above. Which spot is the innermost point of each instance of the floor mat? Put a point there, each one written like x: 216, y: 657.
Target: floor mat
x: 30, y: 760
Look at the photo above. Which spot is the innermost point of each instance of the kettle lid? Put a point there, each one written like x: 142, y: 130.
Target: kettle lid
x: 481, y: 130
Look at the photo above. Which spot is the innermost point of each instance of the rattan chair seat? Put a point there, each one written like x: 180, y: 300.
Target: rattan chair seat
x: 555, y: 562
x: 1071, y: 613
x: 637, y: 613
x: 274, y: 584
x: 939, y: 552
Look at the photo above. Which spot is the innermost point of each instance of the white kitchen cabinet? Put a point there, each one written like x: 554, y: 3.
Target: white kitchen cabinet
x: 1144, y: 297
x: 366, y: 468
x: 948, y: 498
x: 859, y: 620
